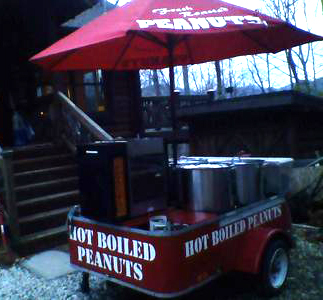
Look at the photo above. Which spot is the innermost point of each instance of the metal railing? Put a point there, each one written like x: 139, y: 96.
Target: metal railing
x: 156, y: 113
x: 156, y: 110
x: 73, y: 125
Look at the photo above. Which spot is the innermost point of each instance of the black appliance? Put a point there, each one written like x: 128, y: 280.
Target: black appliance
x: 121, y: 179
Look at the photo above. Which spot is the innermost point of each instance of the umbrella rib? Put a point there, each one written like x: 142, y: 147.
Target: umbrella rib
x: 150, y: 37
x: 124, y: 49
x: 55, y: 63
x: 257, y: 41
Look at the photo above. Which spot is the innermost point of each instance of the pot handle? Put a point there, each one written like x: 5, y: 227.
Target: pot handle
x: 233, y: 183
x: 261, y: 181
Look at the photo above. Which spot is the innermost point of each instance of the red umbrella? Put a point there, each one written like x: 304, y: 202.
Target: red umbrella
x: 151, y: 34
x: 142, y: 33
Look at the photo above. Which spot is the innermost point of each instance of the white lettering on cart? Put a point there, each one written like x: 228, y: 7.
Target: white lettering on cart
x: 109, y: 246
x: 81, y: 235
x: 114, y: 264
x: 228, y: 232
x: 133, y: 248
x: 197, y: 245
x: 138, y: 271
x: 222, y: 234
x: 264, y: 216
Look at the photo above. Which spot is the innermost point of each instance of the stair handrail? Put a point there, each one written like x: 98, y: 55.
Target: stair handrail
x: 93, y: 129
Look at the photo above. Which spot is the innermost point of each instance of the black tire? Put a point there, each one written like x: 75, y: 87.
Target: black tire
x: 274, y: 268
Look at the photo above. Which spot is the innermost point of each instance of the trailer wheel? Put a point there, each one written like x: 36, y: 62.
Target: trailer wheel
x: 275, y: 266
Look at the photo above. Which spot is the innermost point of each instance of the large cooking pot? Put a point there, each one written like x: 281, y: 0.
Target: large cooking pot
x: 248, y: 181
x: 209, y: 187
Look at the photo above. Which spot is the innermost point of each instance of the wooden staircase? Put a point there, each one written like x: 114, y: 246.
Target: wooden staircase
x: 46, y: 187
x: 40, y: 182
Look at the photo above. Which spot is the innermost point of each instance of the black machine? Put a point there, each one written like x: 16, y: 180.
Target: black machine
x: 121, y: 179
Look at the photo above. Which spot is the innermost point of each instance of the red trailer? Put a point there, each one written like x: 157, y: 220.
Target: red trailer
x: 181, y: 245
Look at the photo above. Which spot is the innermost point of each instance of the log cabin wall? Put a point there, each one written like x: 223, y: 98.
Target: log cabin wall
x: 123, y: 98
x: 28, y: 27
x: 260, y: 134
x: 112, y: 99
x: 278, y: 124
x: 116, y: 105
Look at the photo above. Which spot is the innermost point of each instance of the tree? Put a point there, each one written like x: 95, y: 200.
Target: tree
x: 218, y: 79
x: 298, y: 58
x: 156, y: 83
x: 187, y: 90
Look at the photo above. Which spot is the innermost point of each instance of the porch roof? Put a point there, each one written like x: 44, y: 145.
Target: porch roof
x: 274, y: 101
x: 88, y: 15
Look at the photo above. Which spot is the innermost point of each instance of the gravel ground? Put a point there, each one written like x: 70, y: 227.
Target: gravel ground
x: 305, y: 281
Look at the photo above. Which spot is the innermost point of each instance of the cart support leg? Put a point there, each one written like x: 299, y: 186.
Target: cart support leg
x: 85, y: 284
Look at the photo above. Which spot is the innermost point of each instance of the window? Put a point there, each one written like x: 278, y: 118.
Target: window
x: 93, y: 91
x: 89, y: 91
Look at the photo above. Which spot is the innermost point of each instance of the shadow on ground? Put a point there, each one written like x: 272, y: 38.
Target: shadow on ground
x: 229, y: 286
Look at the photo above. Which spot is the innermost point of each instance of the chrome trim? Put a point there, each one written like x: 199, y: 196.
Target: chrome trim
x: 69, y: 222
x: 147, y: 232
x: 145, y: 291
x: 71, y: 213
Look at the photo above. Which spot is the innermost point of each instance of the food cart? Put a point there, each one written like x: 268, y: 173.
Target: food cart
x: 166, y: 229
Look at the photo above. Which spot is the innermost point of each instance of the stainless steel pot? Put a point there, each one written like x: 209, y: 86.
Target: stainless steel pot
x: 209, y: 187
x: 248, y: 181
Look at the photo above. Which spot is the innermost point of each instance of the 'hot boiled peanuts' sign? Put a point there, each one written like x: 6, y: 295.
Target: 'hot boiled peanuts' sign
x: 222, y: 234
x: 133, y: 257
x: 108, y: 248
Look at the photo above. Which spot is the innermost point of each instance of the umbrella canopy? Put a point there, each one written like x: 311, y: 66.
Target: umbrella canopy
x: 152, y: 34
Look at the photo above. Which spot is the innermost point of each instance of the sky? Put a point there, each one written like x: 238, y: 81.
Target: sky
x: 313, y: 23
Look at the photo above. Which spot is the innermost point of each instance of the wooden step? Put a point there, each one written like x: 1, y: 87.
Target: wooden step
x: 42, y: 240
x: 45, y: 188
x: 48, y: 202
x: 43, y: 221
x: 30, y: 164
x: 42, y: 162
x: 48, y: 174
x: 37, y: 150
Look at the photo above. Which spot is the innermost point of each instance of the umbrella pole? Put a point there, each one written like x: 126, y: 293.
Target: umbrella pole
x: 172, y: 98
x: 173, y: 112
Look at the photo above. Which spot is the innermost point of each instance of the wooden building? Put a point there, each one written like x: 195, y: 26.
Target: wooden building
x: 40, y: 181
x: 27, y: 27
x: 112, y: 99
x: 287, y: 123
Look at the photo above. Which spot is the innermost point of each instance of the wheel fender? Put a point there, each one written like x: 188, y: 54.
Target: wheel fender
x: 253, y: 247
